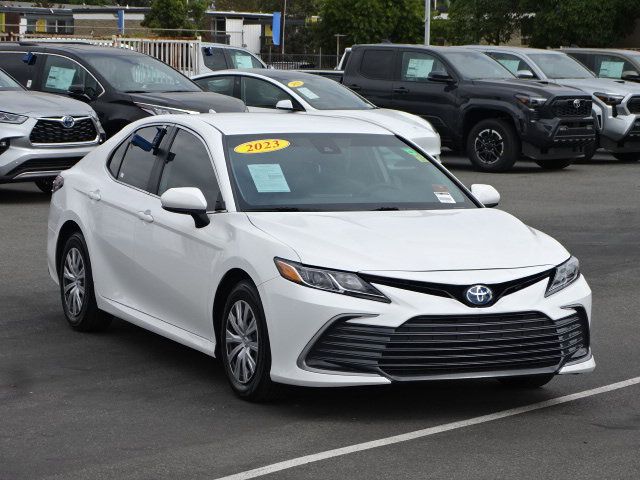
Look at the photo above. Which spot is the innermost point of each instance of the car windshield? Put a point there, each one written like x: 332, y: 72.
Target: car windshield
x: 325, y: 94
x: 7, y: 83
x: 556, y: 65
x: 477, y: 66
x: 336, y: 172
x: 140, y: 74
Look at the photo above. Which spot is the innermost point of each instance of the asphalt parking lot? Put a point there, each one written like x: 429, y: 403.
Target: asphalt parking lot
x: 130, y: 404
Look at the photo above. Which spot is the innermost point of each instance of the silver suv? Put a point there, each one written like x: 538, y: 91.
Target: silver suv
x: 42, y: 134
x: 616, y: 103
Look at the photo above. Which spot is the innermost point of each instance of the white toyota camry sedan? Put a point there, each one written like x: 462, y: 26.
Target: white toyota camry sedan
x: 311, y: 251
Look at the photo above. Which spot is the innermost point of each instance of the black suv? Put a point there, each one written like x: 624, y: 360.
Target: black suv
x: 120, y: 84
x: 475, y: 104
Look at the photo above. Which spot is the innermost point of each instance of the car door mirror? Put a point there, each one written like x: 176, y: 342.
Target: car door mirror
x: 79, y: 92
x: 440, y: 76
x: 285, y: 105
x: 526, y: 74
x: 630, y: 75
x: 485, y: 194
x: 187, y: 201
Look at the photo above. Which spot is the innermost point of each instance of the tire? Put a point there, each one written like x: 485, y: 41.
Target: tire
x: 554, y: 164
x: 493, y: 145
x: 247, y: 370
x: 76, y: 278
x: 45, y: 185
x: 526, y: 382
x: 627, y: 157
x: 589, y: 152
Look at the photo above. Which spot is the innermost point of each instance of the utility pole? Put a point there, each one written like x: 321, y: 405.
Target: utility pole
x: 338, y: 35
x: 284, y: 22
x: 427, y: 21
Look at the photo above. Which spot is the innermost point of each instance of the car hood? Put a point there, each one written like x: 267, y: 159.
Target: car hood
x: 602, y: 85
x: 196, y: 101
x: 418, y: 241
x: 38, y: 104
x: 537, y: 87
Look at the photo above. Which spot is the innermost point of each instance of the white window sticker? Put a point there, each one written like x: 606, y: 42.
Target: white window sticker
x: 60, y: 78
x: 444, y: 197
x: 243, y: 61
x: 419, y: 68
x: 307, y: 93
x: 29, y: 82
x: 511, y: 65
x: 268, y: 178
x: 611, y: 69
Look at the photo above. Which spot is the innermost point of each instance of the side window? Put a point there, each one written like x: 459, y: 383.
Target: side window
x: 241, y: 59
x: 258, y: 93
x: 214, y: 58
x: 511, y: 62
x: 610, y: 66
x: 137, y: 164
x: 116, y: 158
x: 584, y: 58
x: 60, y: 73
x: 378, y: 64
x: 224, y: 84
x: 417, y: 66
x: 189, y: 165
x: 12, y: 64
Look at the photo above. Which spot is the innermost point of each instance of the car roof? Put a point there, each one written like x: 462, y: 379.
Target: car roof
x: 434, y: 48
x: 619, y: 51
x: 71, y: 47
x: 507, y: 48
x: 277, y: 123
x: 269, y: 73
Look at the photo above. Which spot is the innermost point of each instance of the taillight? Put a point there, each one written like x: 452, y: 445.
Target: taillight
x: 58, y: 182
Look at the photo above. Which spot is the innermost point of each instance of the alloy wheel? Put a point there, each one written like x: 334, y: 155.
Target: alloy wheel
x: 242, y: 341
x: 489, y: 146
x: 73, y: 281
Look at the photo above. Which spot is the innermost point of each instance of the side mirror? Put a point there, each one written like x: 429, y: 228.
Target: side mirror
x: 631, y: 76
x: 442, y: 77
x: 527, y: 74
x: 78, y: 91
x: 486, y: 194
x: 284, y: 105
x: 187, y: 201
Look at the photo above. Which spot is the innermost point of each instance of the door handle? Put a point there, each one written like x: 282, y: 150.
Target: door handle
x: 401, y: 90
x: 145, y: 216
x: 94, y: 195
x: 355, y: 87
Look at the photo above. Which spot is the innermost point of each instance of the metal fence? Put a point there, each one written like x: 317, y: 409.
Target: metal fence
x: 294, y: 61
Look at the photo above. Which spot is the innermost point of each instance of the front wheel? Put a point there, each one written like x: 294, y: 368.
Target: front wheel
x: 627, y: 156
x: 554, y: 164
x: 527, y: 381
x: 493, y: 145
x: 45, y: 184
x: 246, y: 353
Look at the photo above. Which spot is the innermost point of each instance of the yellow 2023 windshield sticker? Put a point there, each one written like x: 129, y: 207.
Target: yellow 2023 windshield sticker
x: 295, y: 83
x: 262, y: 146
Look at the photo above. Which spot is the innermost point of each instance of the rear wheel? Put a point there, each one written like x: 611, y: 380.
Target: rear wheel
x: 76, y: 288
x: 45, y: 184
x: 627, y: 157
x: 526, y: 382
x: 554, y: 164
x: 493, y: 145
x: 246, y: 353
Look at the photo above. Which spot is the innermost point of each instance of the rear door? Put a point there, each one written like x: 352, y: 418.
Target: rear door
x: 413, y: 92
x: 373, y: 74
x: 260, y: 95
x: 223, y: 84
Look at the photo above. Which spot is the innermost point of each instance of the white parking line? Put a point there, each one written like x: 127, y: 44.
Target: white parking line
x: 316, y: 457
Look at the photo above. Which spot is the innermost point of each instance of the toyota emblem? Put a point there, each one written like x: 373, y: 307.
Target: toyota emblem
x: 577, y: 103
x: 478, y: 295
x: 68, y: 121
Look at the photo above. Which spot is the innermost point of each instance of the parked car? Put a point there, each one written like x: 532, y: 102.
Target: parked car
x: 42, y: 134
x: 608, y: 63
x: 311, y: 250
x: 218, y: 56
x: 290, y: 91
x: 476, y: 105
x: 616, y: 103
x: 120, y: 84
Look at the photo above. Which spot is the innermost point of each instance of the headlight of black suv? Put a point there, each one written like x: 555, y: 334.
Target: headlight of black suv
x: 345, y: 283
x: 564, y: 275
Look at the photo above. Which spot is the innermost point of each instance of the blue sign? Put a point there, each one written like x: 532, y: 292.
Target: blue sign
x: 275, y: 27
x: 121, y: 21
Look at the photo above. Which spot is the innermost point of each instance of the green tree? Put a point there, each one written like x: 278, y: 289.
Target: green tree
x: 587, y: 23
x: 176, y: 17
x: 490, y: 21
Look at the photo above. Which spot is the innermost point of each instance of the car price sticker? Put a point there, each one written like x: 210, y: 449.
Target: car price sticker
x: 295, y: 83
x: 442, y: 194
x: 262, y: 146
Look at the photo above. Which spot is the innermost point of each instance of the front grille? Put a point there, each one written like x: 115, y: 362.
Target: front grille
x: 447, y: 345
x: 52, y: 131
x: 44, y: 165
x: 634, y: 105
x: 566, y: 107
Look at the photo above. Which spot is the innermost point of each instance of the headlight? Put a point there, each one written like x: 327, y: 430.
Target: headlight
x: 565, y: 274
x: 609, y: 98
x: 160, y: 110
x: 531, y: 102
x: 329, y: 280
x: 6, y: 117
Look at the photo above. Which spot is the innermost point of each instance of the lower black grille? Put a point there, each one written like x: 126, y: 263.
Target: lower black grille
x: 44, y: 165
x: 448, y: 345
x: 634, y: 105
x: 53, y: 131
x: 571, y: 107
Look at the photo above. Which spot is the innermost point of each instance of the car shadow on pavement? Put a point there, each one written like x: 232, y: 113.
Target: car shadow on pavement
x: 22, y: 193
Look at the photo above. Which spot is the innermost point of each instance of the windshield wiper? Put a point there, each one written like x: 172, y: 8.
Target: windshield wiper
x: 385, y: 209
x: 275, y: 209
x: 136, y: 91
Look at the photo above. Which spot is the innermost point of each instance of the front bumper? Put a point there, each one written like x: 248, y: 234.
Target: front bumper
x: 297, y: 316
x: 619, y: 133
x: 558, y: 138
